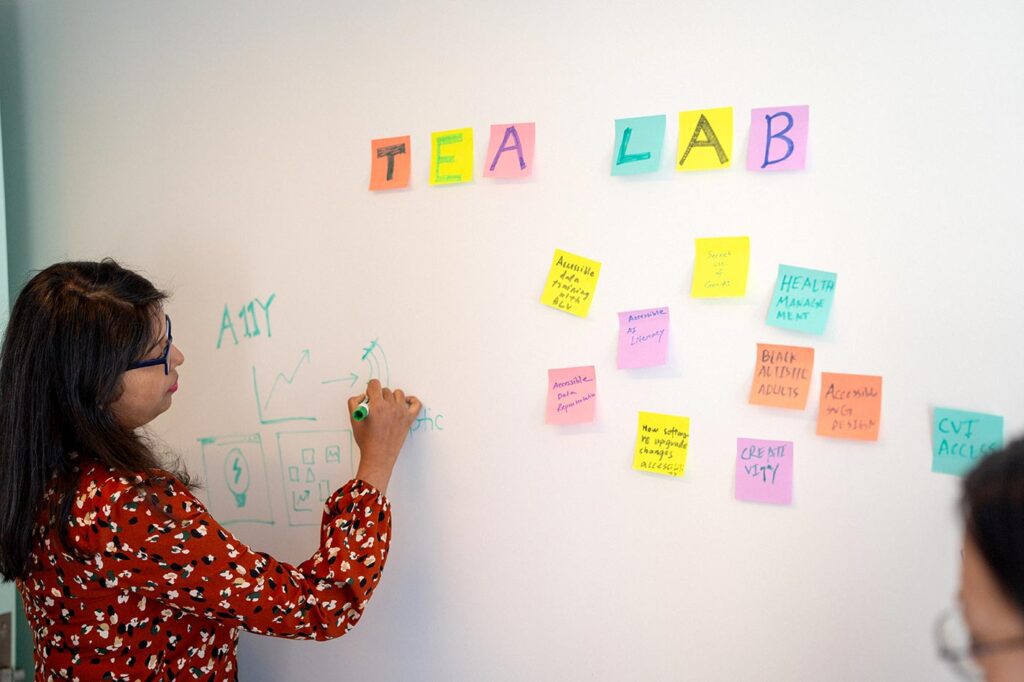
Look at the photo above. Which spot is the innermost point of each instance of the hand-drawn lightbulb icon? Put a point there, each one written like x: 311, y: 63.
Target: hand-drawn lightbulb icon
x: 236, y: 473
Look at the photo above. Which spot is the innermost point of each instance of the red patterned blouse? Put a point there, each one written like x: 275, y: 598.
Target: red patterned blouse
x: 165, y: 589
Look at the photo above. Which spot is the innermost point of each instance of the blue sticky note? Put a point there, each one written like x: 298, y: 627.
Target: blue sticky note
x: 638, y: 143
x: 802, y: 299
x: 960, y: 439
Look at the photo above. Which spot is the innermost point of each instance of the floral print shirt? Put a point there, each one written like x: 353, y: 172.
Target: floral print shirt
x: 164, y: 589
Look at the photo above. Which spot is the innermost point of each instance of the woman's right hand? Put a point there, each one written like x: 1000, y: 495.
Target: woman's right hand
x: 380, y: 436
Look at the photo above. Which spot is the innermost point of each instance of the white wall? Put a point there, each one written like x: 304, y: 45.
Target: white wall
x: 222, y: 148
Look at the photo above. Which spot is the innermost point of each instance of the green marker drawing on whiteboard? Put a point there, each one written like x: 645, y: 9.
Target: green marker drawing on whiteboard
x: 362, y: 410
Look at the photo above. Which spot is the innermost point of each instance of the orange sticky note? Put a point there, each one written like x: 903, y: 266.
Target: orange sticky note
x: 390, y: 160
x: 782, y: 376
x: 851, y: 406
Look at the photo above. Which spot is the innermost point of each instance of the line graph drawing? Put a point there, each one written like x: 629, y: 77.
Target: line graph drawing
x: 376, y: 367
x: 263, y: 406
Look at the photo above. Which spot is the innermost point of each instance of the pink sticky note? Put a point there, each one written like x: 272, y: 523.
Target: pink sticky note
x: 643, y: 338
x: 778, y: 138
x: 572, y: 392
x: 764, y: 470
x: 510, y: 151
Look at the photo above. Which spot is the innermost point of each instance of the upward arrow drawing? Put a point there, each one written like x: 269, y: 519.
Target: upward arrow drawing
x: 287, y: 379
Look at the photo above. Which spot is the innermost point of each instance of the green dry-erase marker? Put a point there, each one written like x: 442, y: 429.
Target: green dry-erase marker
x: 362, y: 410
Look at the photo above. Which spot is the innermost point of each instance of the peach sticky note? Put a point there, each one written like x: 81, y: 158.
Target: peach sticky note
x: 705, y: 139
x: 851, y: 406
x: 662, y: 441
x: 571, y: 283
x: 390, y: 160
x: 571, y: 395
x: 720, y: 269
x: 510, y: 151
x: 451, y: 156
x: 782, y: 376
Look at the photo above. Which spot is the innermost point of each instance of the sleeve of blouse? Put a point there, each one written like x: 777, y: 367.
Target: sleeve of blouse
x: 164, y: 541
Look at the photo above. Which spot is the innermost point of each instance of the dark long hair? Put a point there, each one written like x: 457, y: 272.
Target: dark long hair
x: 73, y: 331
x: 993, y: 509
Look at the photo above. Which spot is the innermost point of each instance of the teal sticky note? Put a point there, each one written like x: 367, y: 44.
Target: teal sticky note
x: 960, y: 439
x: 802, y: 299
x: 638, y: 143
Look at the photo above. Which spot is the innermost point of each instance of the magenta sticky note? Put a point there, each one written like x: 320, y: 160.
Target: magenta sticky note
x: 778, y: 138
x: 764, y: 470
x: 572, y: 394
x: 510, y: 151
x: 643, y: 338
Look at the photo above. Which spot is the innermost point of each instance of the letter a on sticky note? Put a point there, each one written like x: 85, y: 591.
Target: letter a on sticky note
x: 510, y: 151
x: 390, y: 160
x: 662, y: 441
x: 643, y: 338
x: 705, y: 139
x: 960, y: 439
x: 782, y: 376
x: 571, y: 283
x: 764, y: 470
x: 778, y: 138
x: 720, y: 269
x: 451, y: 156
x: 851, y: 406
x: 638, y: 143
x: 572, y: 395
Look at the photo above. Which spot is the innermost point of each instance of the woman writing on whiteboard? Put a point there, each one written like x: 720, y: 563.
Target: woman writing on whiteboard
x: 984, y: 638
x: 123, y: 572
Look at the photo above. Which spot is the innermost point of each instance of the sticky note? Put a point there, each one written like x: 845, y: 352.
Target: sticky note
x: 720, y: 269
x: 390, y: 160
x: 782, y: 376
x: 572, y: 393
x: 661, y: 443
x: 705, y: 139
x: 571, y: 283
x: 638, y: 143
x: 643, y: 338
x: 851, y: 406
x: 802, y: 299
x: 778, y: 138
x: 764, y: 470
x: 510, y: 151
x: 960, y: 439
x: 451, y: 156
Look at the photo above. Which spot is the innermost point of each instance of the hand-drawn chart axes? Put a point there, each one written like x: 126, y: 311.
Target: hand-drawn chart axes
x: 264, y: 404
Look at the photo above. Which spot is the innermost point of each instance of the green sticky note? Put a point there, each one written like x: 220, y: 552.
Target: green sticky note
x: 960, y: 439
x: 638, y: 143
x: 802, y: 299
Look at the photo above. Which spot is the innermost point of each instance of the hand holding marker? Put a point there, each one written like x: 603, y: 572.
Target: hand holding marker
x: 380, y: 439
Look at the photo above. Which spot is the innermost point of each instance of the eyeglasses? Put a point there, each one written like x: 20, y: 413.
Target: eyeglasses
x: 958, y: 648
x: 164, y: 357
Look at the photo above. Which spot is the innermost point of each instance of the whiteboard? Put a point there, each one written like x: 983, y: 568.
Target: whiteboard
x: 223, y: 150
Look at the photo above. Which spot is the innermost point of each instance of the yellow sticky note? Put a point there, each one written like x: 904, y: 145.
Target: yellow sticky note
x: 451, y: 156
x: 705, y: 139
x: 661, y: 443
x: 720, y: 269
x: 571, y: 283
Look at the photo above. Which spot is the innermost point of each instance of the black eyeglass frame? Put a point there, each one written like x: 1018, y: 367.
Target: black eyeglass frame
x: 164, y: 357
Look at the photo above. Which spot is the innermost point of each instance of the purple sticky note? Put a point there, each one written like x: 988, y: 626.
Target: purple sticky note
x: 764, y: 470
x: 778, y: 138
x: 643, y: 338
